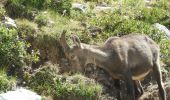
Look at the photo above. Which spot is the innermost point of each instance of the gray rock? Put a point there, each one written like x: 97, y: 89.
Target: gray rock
x: 102, y: 8
x: 79, y: 6
x: 20, y: 94
x: 10, y: 23
x: 163, y: 29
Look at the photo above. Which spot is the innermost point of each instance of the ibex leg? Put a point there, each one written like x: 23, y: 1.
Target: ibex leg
x: 158, y: 77
x: 138, y: 89
x: 118, y: 87
x: 129, y: 85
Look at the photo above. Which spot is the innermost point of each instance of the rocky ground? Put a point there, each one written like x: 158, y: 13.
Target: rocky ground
x: 151, y: 92
x: 109, y: 91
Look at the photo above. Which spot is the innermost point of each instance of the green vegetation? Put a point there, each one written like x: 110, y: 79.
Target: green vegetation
x: 12, y: 48
x: 40, y: 23
x: 27, y: 9
x: 80, y: 86
x: 43, y: 79
x: 46, y: 81
x: 2, y: 12
x: 61, y: 6
x: 6, y: 83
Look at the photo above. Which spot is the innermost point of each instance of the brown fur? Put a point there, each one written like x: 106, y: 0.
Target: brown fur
x: 128, y: 58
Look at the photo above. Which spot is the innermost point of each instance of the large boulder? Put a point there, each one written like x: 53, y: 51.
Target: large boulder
x: 20, y: 94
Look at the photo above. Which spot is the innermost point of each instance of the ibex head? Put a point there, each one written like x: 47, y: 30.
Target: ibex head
x: 73, y: 53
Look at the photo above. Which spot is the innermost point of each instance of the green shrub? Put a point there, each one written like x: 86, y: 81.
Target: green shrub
x: 61, y: 6
x: 77, y: 15
x: 115, y: 24
x: 6, y: 83
x: 162, y: 4
x: 28, y: 9
x: 152, y: 15
x: 46, y: 81
x: 165, y: 48
x: 12, y: 48
x: 26, y: 28
x: 27, y: 31
x: 41, y: 19
x: 77, y: 85
x: 42, y: 81
x: 39, y: 4
x: 2, y: 13
x: 19, y: 9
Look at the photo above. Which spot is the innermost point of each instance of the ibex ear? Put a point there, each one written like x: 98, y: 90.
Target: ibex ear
x: 76, y: 40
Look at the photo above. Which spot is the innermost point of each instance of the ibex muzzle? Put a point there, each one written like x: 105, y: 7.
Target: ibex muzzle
x: 129, y: 58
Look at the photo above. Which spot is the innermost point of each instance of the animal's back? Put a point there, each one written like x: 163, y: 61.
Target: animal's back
x: 132, y: 41
x: 144, y: 42
x: 135, y: 51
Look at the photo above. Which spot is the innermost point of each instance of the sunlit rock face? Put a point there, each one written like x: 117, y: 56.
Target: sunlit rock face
x: 9, y: 23
x: 20, y: 94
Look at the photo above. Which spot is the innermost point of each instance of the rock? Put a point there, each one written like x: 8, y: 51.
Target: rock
x: 152, y: 93
x: 10, y: 23
x: 102, y: 8
x: 79, y: 6
x: 20, y: 94
x: 162, y: 28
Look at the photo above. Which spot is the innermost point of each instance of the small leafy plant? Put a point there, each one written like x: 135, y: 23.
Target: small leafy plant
x: 6, y: 83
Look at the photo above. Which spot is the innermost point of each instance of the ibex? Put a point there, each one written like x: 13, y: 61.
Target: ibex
x: 129, y: 58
